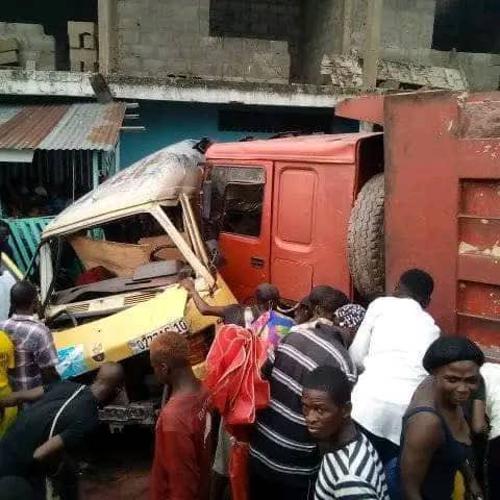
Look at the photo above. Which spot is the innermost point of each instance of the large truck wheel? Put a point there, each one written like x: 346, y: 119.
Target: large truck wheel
x: 366, y: 239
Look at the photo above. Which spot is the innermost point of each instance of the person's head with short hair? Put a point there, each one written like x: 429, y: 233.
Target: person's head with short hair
x: 326, y: 402
x: 328, y: 304
x: 267, y: 296
x: 108, y: 382
x: 303, y: 311
x: 417, y: 285
x: 348, y: 319
x: 234, y: 314
x: 454, y: 363
x: 169, y: 355
x: 318, y: 293
x: 318, y: 303
x: 23, y: 298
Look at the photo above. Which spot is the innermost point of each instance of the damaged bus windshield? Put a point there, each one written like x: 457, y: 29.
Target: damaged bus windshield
x: 124, y: 255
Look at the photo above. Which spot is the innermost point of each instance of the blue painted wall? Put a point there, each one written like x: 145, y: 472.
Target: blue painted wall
x: 169, y: 122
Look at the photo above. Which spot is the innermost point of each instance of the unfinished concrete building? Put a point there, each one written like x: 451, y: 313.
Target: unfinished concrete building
x: 228, y: 68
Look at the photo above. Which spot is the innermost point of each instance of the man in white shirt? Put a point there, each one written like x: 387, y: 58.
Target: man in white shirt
x: 389, y: 347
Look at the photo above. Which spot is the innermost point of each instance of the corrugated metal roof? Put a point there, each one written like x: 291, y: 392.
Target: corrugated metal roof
x: 7, y: 112
x: 27, y: 128
x: 87, y: 126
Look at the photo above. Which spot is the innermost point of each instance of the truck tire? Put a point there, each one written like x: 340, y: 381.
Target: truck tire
x: 365, y: 239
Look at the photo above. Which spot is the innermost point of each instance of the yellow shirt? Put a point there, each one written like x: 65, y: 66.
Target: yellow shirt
x: 7, y: 361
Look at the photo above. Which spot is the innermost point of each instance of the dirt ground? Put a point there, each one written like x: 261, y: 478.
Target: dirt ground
x: 117, y: 466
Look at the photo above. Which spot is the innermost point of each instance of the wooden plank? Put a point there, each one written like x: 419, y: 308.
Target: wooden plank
x: 131, y: 128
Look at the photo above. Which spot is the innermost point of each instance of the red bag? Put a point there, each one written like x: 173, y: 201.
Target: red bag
x: 238, y: 471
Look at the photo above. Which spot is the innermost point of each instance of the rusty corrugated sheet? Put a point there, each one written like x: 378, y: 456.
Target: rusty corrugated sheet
x: 8, y: 112
x: 30, y: 126
x: 87, y: 126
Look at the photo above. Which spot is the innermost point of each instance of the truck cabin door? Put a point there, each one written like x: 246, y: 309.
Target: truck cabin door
x: 241, y: 211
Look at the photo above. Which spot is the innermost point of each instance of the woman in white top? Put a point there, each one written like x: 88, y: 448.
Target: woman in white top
x: 388, y: 348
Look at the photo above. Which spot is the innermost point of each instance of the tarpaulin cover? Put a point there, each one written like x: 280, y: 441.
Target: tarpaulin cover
x: 238, y: 390
x: 233, y: 375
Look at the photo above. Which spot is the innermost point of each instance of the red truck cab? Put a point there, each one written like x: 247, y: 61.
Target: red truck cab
x: 293, y: 210
x: 285, y: 206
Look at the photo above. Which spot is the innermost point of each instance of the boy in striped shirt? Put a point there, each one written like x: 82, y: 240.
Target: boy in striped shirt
x: 351, y: 468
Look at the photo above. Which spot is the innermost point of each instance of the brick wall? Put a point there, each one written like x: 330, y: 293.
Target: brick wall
x: 172, y: 37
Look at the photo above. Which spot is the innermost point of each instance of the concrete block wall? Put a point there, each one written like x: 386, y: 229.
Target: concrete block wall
x: 407, y: 26
x: 34, y: 44
x: 172, y: 37
x: 260, y: 19
x: 336, y: 26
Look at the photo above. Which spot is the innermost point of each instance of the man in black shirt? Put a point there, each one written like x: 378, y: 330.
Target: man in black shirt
x: 28, y: 448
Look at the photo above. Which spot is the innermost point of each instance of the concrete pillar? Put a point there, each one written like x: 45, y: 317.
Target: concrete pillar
x: 348, y: 10
x: 106, y: 15
x: 372, y: 43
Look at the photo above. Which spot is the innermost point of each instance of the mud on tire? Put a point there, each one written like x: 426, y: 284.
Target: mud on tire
x: 365, y: 239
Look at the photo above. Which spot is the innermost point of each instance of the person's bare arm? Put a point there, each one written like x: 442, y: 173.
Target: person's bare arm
x: 204, y: 308
x: 423, y: 435
x: 17, y: 398
x: 361, y: 343
x: 51, y: 449
x: 479, y: 423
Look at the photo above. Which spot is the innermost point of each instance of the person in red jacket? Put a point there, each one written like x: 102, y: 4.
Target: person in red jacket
x: 182, y: 459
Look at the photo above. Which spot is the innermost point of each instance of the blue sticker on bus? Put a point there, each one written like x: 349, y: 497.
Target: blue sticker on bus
x: 71, y: 361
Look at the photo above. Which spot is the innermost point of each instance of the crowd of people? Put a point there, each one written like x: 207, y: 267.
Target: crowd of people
x: 375, y: 404
x: 372, y: 404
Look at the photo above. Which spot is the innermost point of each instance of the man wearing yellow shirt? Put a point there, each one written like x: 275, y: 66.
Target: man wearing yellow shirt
x: 7, y: 415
